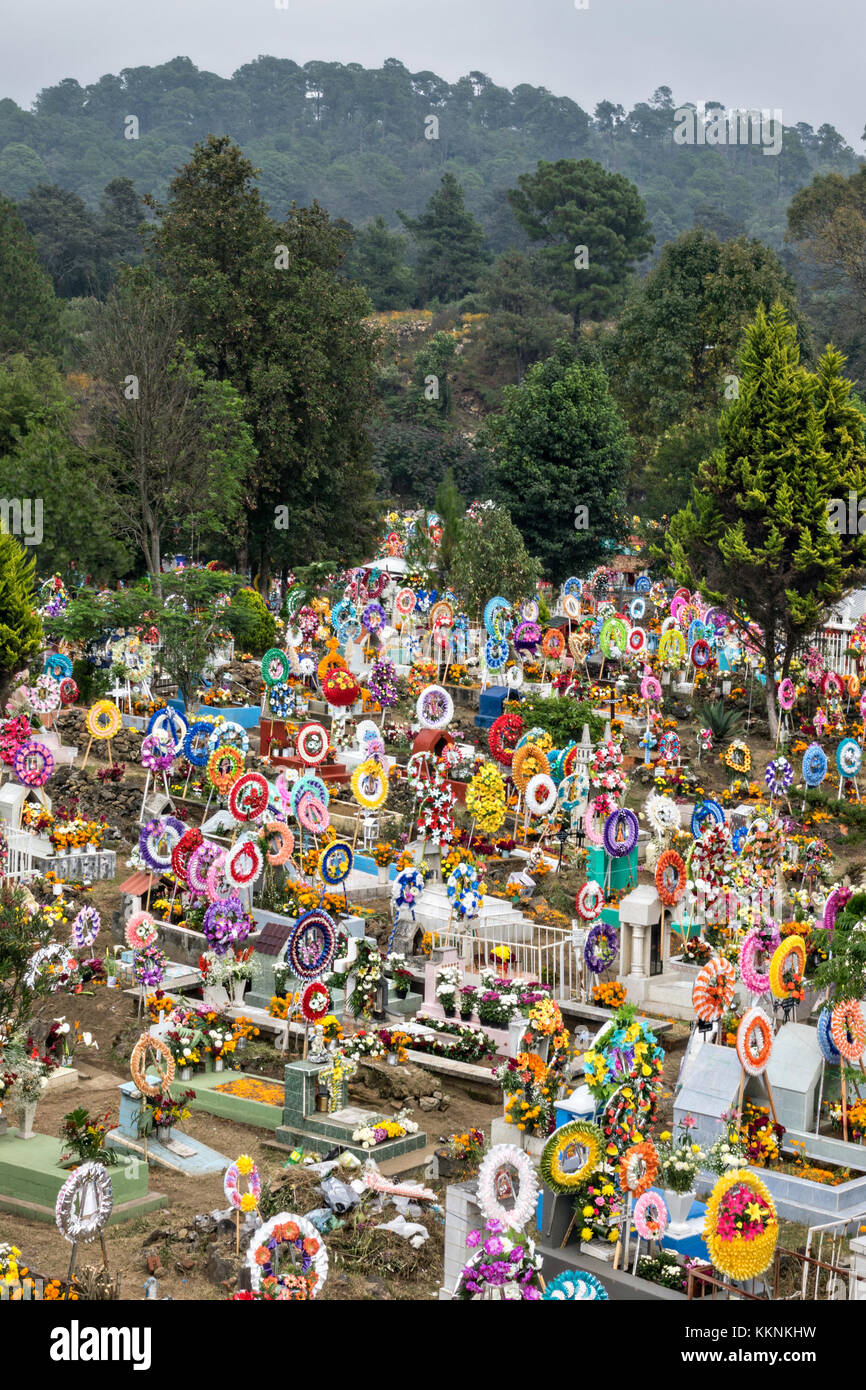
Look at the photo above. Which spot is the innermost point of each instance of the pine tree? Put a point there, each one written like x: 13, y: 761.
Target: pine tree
x: 29, y: 311
x: 756, y: 537
x: 20, y: 628
x: 451, y: 245
x: 268, y: 309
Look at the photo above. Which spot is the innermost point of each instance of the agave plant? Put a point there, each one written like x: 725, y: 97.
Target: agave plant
x: 724, y: 721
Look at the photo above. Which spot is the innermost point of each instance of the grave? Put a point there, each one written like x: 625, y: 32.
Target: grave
x: 79, y: 868
x: 709, y: 1086
x: 612, y: 872
x: 306, y: 1127
x: 269, y: 953
x: 31, y: 1176
x: 794, y: 1072
x: 241, y: 1109
x: 181, y: 1154
x: 490, y: 703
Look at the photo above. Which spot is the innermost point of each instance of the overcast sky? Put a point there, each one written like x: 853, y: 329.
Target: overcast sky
x: 796, y: 55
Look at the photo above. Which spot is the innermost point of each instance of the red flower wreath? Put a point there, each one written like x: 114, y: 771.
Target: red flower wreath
x: 315, y: 1002
x: 503, y: 735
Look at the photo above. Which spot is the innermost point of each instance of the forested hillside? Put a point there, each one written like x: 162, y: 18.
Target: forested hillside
x: 357, y: 140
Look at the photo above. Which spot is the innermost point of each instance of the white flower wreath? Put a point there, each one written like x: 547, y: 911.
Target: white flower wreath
x: 72, y: 1223
x: 429, y: 697
x: 662, y: 814
x: 492, y: 1209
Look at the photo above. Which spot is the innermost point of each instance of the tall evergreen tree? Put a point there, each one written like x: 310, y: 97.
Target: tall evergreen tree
x: 267, y: 309
x: 20, y: 628
x: 377, y: 260
x: 29, y: 312
x: 593, y: 229
x: 756, y: 537
x: 451, y: 245
x: 560, y: 444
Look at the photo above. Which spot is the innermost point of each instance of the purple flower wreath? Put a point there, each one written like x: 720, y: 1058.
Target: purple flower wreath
x: 225, y: 922
x: 148, y: 966
x: 149, y: 838
x: 599, y: 960
x: 383, y: 683
x: 85, y: 927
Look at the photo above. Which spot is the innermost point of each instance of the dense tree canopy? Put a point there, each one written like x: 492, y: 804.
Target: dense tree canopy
x: 756, y: 537
x: 593, y: 228
x: 266, y: 308
x: 560, y: 444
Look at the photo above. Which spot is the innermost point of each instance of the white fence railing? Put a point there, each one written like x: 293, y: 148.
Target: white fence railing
x: 19, y: 865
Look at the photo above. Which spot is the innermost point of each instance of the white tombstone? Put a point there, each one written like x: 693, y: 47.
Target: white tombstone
x: 640, y: 909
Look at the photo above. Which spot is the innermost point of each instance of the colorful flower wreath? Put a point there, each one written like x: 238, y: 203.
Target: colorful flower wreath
x: 335, y: 863
x: 650, y: 689
x: 315, y: 1001
x: 600, y: 805
x: 199, y: 864
x: 225, y: 923
x: 157, y: 839
x: 276, y: 668
x: 500, y: 1162
x: 540, y: 795
x: 244, y: 862
x: 34, y: 763
x: 763, y: 939
x: 779, y: 776
x: 246, y: 1168
x: 620, y: 832
x: 503, y: 735
x: 848, y: 1030
x: 248, y: 796
x: 714, y: 989
x: 651, y: 1216
x: 369, y: 783
x: 312, y: 813
x: 312, y: 944
x: 601, y: 947
x: 340, y: 688
x: 829, y: 1050
x: 580, y: 1140
x: 283, y: 851
x: 737, y: 756
x: 793, y: 948
x: 196, y: 742
x: 140, y: 931
x: 156, y: 756
x: 740, y: 1226
x: 312, y: 744
x: 670, y: 877
x: 590, y: 901
x: 639, y: 1168
x: 299, y: 1238
x: 103, y: 719
x: 76, y: 1219
x: 68, y: 691
x: 85, y: 926
x: 434, y: 708
x: 754, y: 1056
x: 281, y: 701
x: 224, y: 767
x: 149, y: 966
x: 44, y: 694
x: 849, y: 756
